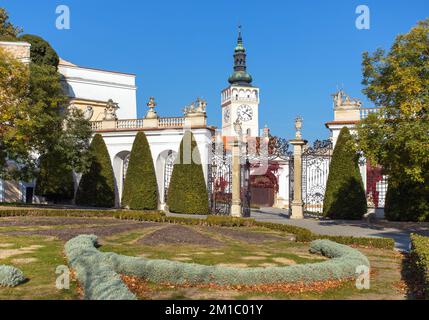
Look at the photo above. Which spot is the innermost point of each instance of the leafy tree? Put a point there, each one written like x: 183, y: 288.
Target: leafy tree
x: 55, y: 180
x: 97, y: 187
x: 397, y: 136
x: 140, y: 187
x: 8, y: 32
x: 14, y: 107
x: 345, y: 194
x: 406, y: 201
x: 187, y: 192
x: 34, y: 119
x: 41, y: 51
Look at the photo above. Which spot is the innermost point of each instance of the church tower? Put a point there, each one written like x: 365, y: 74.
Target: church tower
x: 240, y: 100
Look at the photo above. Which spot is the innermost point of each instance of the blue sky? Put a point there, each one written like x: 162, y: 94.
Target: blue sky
x: 298, y: 51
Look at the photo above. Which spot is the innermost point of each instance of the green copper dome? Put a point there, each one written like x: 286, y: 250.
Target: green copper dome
x: 240, y: 75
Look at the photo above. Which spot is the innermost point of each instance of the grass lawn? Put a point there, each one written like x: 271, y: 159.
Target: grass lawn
x: 35, y: 245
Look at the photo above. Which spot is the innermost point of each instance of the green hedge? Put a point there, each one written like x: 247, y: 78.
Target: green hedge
x: 97, y: 186
x: 345, y: 193
x: 419, y: 263
x: 10, y: 276
x: 301, y: 234
x: 140, y: 187
x: 94, y: 269
x: 187, y: 192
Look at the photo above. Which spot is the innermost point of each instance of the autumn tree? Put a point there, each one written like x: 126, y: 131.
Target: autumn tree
x: 8, y: 32
x: 397, y: 136
x: 34, y: 118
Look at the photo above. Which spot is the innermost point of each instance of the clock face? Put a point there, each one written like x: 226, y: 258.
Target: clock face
x: 226, y: 114
x: 245, y: 113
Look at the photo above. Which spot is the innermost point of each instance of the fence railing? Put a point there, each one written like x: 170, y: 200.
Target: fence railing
x: 364, y: 112
x: 171, y: 122
x: 129, y: 124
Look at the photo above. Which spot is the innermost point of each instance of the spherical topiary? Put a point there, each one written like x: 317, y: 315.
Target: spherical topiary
x: 187, y: 192
x: 97, y: 186
x: 10, y: 276
x: 54, y: 180
x: 41, y: 51
x: 140, y: 187
x: 345, y: 193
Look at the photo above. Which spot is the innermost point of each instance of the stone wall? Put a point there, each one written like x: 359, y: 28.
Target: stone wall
x: 20, y: 50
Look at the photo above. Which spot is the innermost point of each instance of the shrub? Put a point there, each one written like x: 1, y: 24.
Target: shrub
x: 345, y: 194
x: 54, y: 180
x: 406, y: 201
x: 187, y: 192
x: 140, y: 187
x: 41, y: 51
x: 95, y: 274
x: 301, y: 234
x: 419, y: 264
x: 10, y: 276
x: 342, y: 265
x: 96, y: 187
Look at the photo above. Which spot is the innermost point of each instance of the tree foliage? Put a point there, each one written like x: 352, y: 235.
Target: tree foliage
x: 97, y: 186
x: 54, y: 180
x: 397, y: 136
x: 41, y: 51
x: 140, y: 187
x: 8, y: 32
x: 187, y: 192
x: 345, y: 194
x: 34, y: 119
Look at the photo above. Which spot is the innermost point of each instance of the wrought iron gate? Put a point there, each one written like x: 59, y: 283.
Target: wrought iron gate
x: 220, y: 183
x: 315, y: 171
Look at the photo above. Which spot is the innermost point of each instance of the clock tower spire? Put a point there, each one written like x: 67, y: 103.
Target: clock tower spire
x: 241, y: 99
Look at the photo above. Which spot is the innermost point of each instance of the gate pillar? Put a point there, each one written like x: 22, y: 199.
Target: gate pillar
x: 298, y: 144
x: 236, y: 180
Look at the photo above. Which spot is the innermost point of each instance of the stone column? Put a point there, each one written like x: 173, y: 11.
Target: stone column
x: 297, y: 204
x: 236, y: 180
x: 298, y: 144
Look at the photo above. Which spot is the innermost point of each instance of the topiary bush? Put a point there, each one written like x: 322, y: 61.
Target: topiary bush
x: 406, y: 201
x: 345, y: 193
x: 140, y: 187
x: 83, y: 256
x: 41, y: 52
x: 187, y: 192
x: 97, y: 186
x: 10, y: 276
x: 54, y: 180
x: 94, y: 271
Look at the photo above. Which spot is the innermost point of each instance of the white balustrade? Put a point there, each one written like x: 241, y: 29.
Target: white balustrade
x: 173, y: 122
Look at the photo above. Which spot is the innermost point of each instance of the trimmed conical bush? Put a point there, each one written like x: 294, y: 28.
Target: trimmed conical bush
x: 54, y: 180
x: 97, y: 186
x: 187, y: 192
x: 345, y: 194
x: 140, y: 187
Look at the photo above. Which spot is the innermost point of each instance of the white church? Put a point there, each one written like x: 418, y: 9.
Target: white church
x: 108, y: 100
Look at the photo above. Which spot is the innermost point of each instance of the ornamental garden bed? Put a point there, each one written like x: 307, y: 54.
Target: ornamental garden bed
x: 235, y: 247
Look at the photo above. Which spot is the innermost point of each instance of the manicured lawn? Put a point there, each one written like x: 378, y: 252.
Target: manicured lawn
x: 35, y: 245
